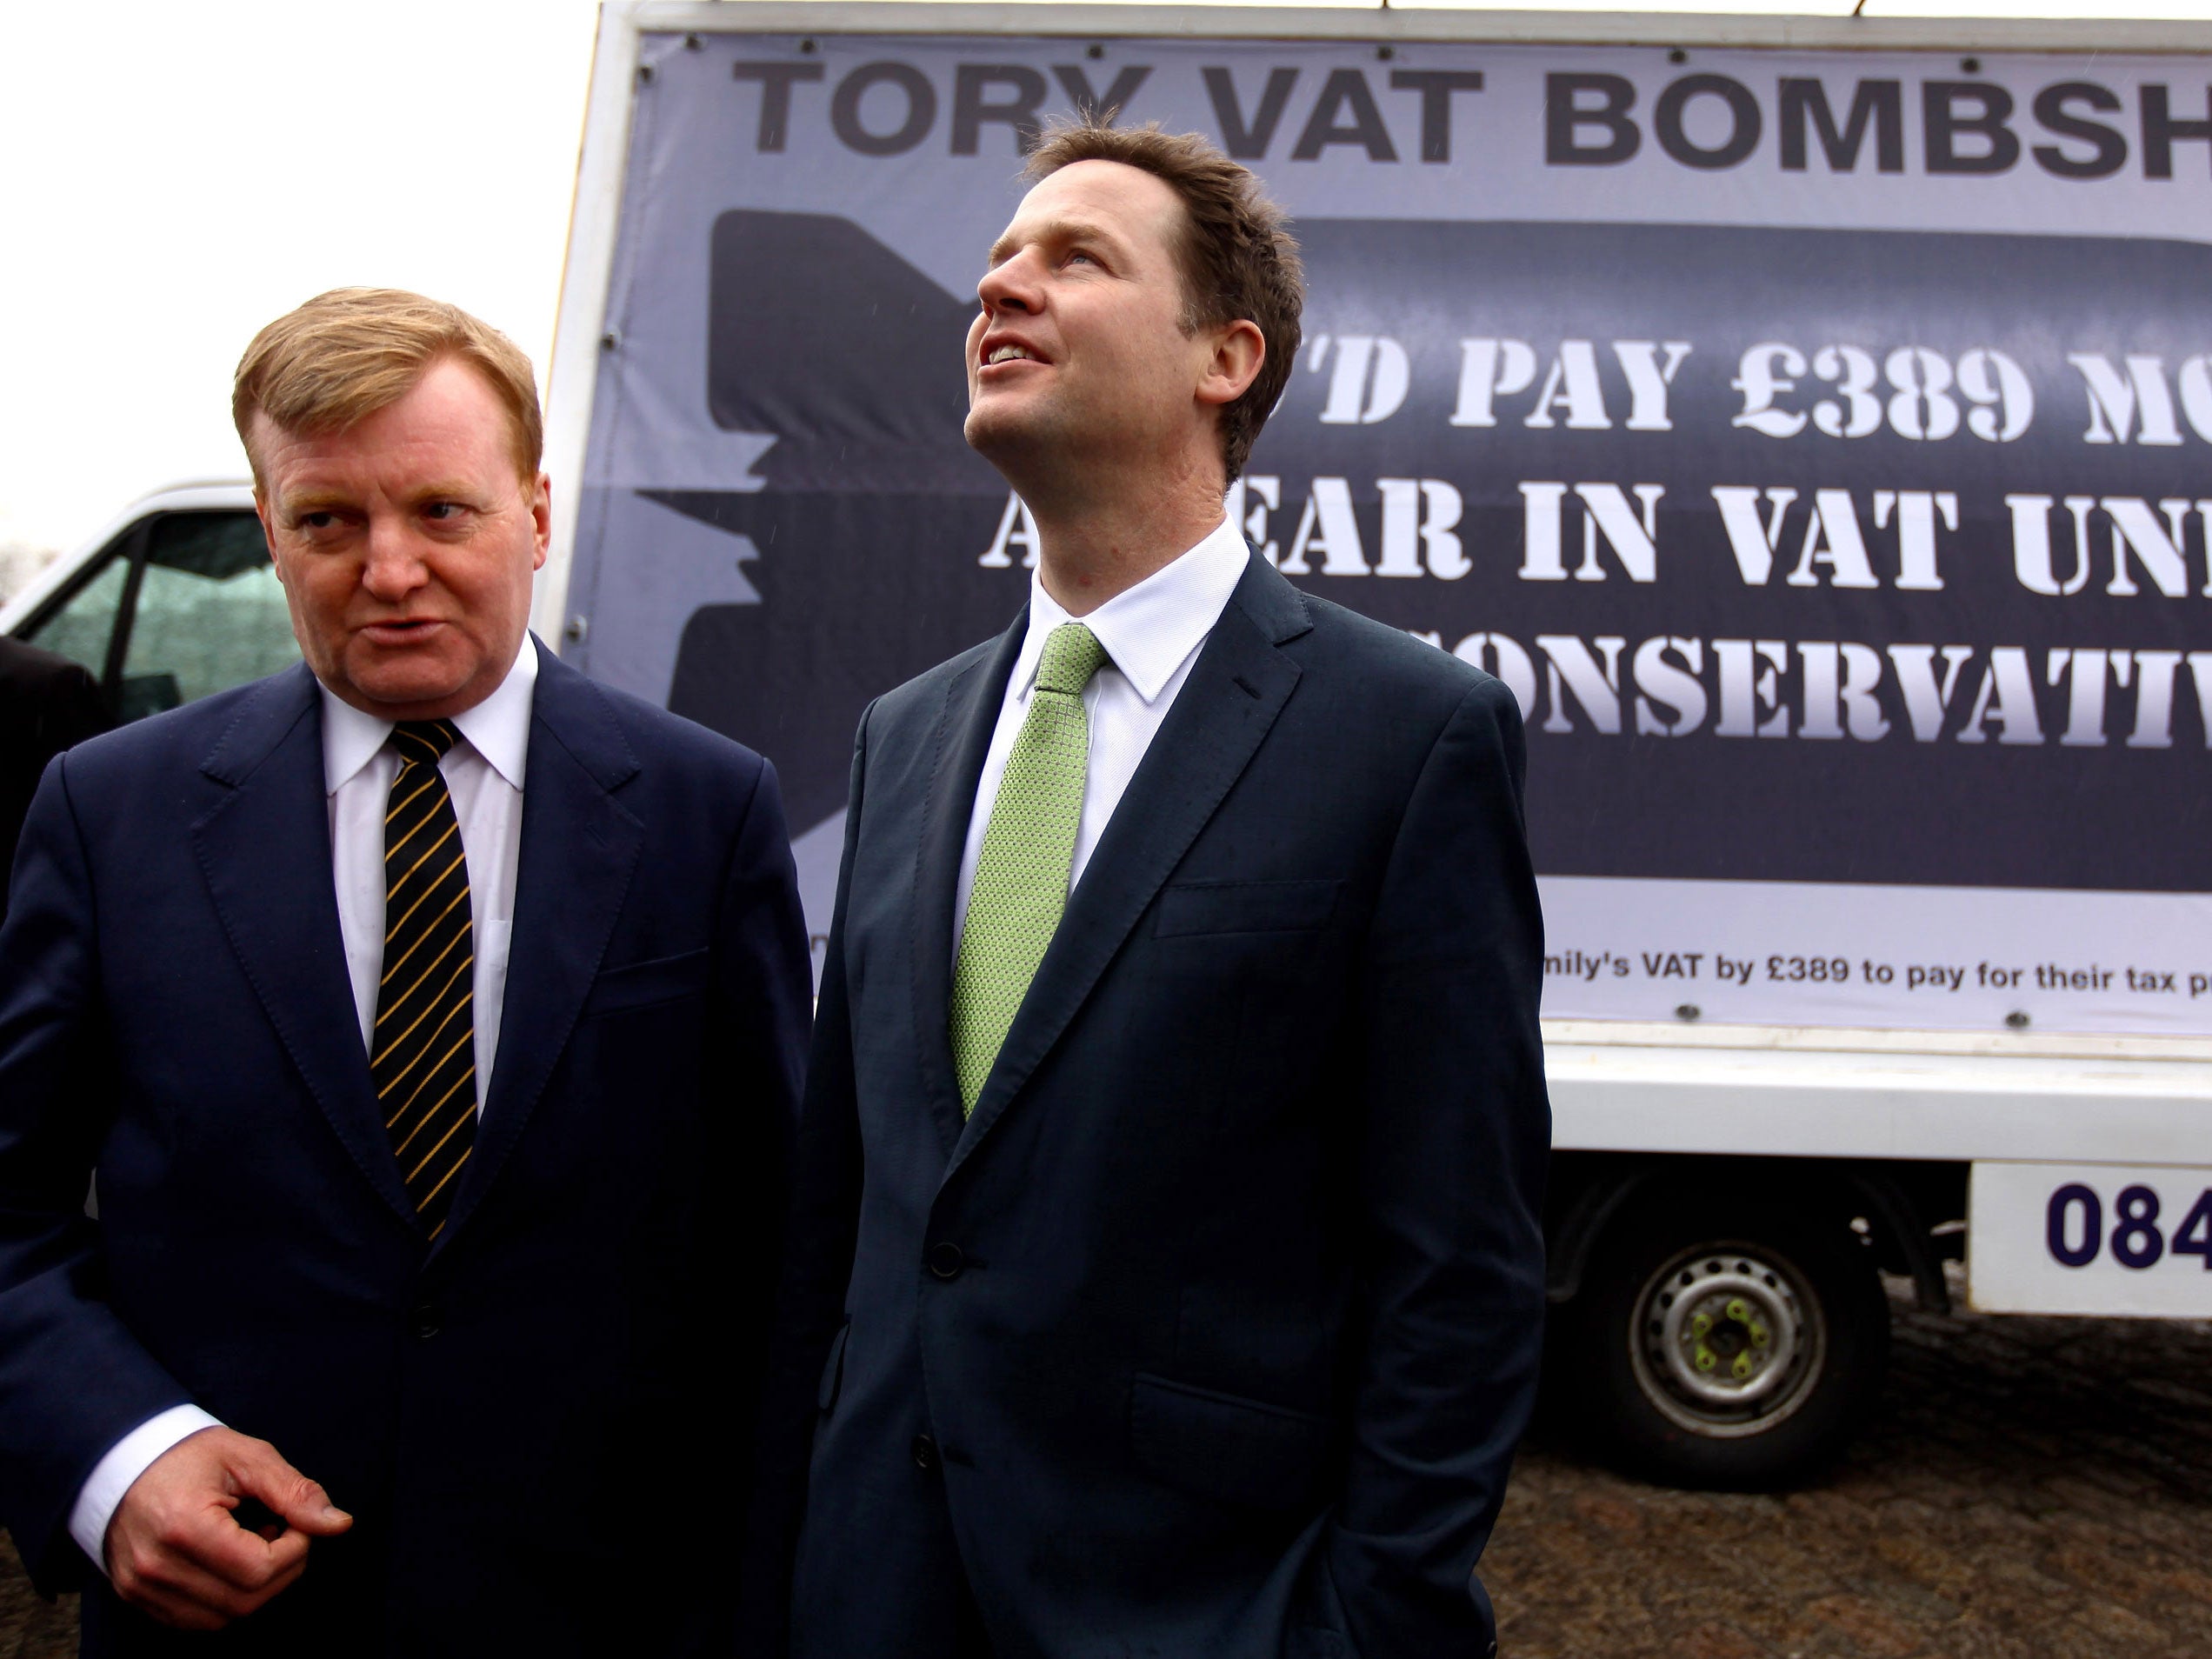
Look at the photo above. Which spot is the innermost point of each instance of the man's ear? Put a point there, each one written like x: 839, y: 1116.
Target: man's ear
x: 541, y: 510
x: 1239, y: 349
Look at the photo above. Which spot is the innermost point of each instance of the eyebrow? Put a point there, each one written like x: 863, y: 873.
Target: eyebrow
x: 1062, y: 230
x: 308, y: 501
x: 318, y: 499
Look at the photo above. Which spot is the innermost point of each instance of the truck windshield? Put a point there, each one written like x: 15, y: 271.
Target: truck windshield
x: 210, y: 613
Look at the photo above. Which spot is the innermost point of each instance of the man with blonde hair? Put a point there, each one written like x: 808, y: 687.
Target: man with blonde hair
x: 431, y: 1021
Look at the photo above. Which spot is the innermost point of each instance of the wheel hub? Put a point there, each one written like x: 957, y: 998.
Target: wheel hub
x: 1726, y: 1340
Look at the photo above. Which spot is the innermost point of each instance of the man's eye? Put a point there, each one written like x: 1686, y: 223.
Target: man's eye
x: 442, y: 510
x: 317, y: 521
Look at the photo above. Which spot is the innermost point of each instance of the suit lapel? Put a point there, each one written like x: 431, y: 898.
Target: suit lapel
x: 264, y: 852
x: 579, y: 850
x: 964, y: 737
x: 1236, y: 689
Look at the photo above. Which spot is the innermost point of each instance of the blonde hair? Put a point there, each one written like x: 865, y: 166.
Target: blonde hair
x: 346, y: 354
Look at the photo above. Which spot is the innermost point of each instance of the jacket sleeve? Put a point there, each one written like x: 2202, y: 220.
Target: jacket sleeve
x: 73, y: 710
x: 816, y: 1265
x: 1455, y: 1134
x: 762, y: 1013
x: 73, y: 1380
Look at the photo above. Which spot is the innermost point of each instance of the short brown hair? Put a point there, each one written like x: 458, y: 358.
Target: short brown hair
x: 346, y: 354
x: 1239, y: 261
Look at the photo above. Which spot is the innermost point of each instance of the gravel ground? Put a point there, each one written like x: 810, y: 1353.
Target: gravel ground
x: 2028, y: 1488
x: 30, y: 1628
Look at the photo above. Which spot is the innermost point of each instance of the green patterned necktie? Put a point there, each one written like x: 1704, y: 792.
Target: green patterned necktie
x: 1022, y: 875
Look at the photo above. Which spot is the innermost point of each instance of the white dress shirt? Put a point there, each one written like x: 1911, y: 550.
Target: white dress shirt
x: 483, y: 774
x: 1151, y: 633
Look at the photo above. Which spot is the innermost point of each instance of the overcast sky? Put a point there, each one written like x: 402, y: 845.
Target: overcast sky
x: 177, y: 173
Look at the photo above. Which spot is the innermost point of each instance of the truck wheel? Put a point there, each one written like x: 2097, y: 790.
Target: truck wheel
x: 1716, y: 1345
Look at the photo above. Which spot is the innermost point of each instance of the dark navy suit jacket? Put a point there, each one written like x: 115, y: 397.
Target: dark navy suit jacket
x: 47, y: 703
x: 1212, y: 1331
x: 538, y: 1421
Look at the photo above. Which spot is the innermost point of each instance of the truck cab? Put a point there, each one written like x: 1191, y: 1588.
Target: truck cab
x: 175, y: 599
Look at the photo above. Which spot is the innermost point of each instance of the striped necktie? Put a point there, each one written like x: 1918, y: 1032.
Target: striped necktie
x: 1022, y: 875
x: 421, y: 1054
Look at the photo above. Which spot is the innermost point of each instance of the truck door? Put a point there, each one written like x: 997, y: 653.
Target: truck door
x: 179, y: 605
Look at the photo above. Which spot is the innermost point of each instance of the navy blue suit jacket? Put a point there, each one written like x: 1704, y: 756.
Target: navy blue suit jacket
x: 1211, y: 1332
x: 47, y: 703
x: 536, y: 1420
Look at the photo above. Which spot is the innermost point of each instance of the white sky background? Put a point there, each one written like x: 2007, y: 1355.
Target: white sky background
x: 177, y: 173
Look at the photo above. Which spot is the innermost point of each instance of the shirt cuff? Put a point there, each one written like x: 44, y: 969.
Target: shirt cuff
x: 113, y: 1476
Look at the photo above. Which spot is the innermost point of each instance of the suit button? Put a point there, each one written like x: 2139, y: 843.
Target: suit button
x: 947, y: 1261
x: 426, y: 1321
x: 925, y: 1452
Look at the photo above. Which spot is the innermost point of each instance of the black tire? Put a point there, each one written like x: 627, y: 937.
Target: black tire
x: 1742, y: 1403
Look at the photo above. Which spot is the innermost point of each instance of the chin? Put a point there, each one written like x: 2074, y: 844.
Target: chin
x: 399, y: 688
x: 1003, y: 437
x: 982, y: 429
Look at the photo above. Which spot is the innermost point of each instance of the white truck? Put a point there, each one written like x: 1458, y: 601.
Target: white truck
x: 1808, y: 421
x: 174, y: 598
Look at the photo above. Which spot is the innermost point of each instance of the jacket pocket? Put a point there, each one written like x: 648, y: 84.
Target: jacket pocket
x: 1224, y: 1447
x: 647, y: 984
x: 1245, y: 906
x: 833, y: 1371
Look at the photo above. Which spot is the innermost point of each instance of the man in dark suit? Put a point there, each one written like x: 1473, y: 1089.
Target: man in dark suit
x: 1167, y: 1274
x: 47, y: 703
x: 432, y: 1019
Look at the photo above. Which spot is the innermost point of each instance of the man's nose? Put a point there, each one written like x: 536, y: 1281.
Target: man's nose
x: 394, y: 566
x: 1010, y: 285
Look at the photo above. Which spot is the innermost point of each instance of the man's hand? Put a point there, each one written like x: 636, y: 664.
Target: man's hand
x: 175, y: 1548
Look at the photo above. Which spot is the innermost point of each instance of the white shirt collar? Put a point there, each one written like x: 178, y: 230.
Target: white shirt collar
x: 1148, y: 630
x: 497, y: 727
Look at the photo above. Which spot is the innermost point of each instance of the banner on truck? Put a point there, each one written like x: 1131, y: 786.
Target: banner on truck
x: 1815, y: 443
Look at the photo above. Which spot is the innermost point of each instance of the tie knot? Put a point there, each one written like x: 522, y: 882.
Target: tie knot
x: 424, y: 740
x: 1072, y: 655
